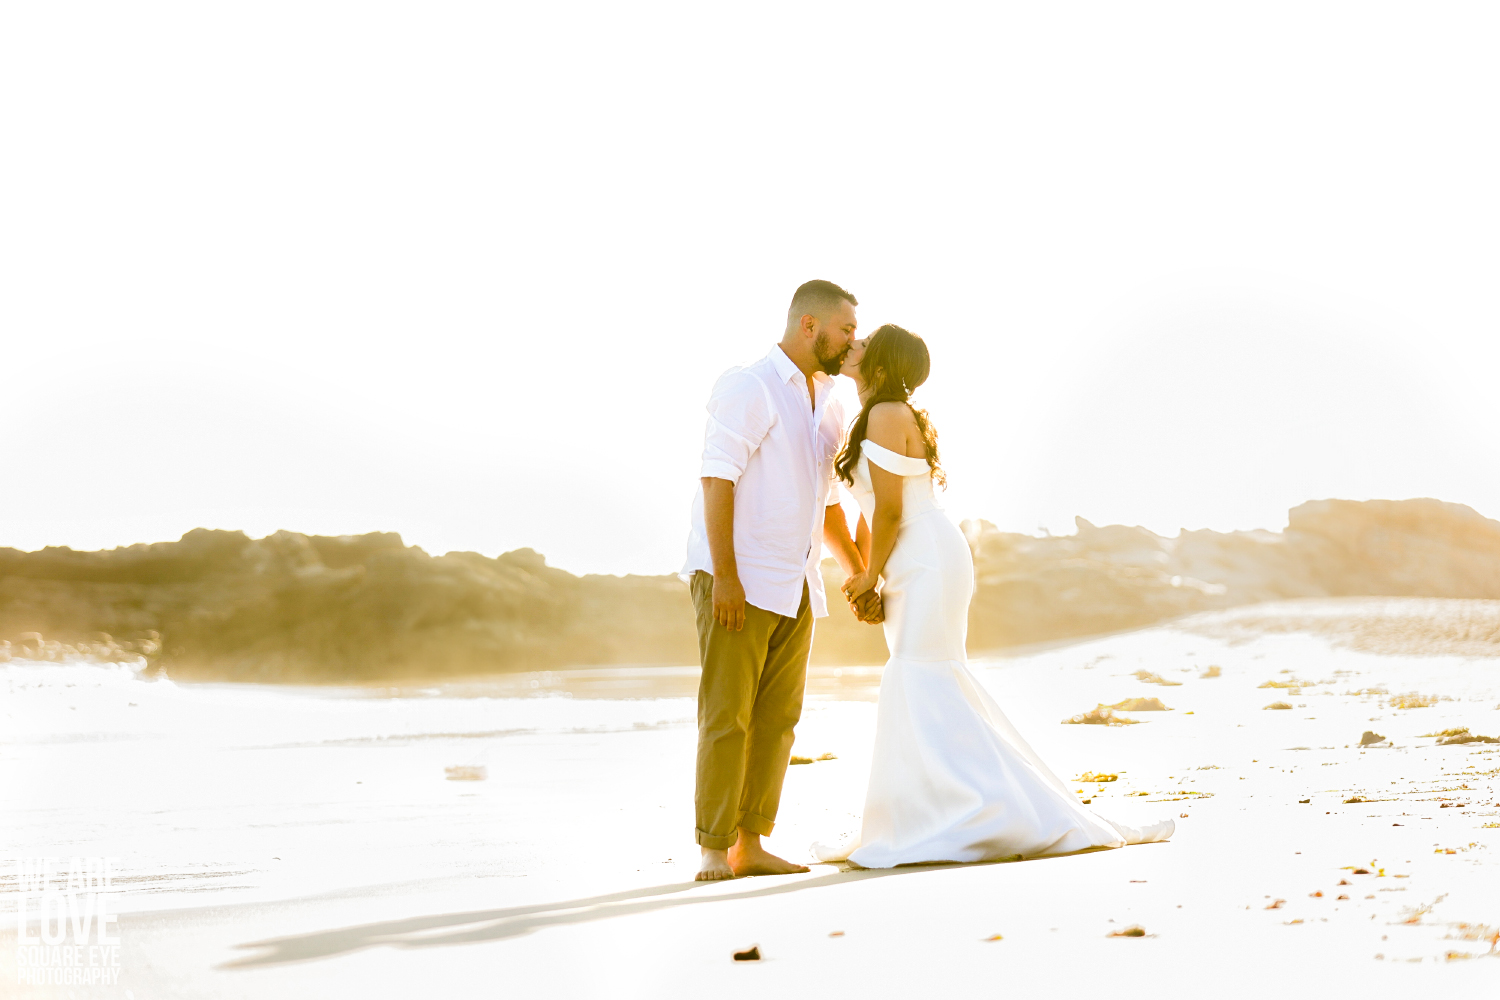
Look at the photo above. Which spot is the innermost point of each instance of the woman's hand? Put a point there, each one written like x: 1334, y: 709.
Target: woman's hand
x: 869, y: 608
x: 858, y: 584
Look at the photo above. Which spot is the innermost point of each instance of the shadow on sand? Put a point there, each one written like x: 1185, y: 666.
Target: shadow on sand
x: 494, y: 925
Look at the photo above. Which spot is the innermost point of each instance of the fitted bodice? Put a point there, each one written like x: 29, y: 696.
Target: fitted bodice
x: 916, y: 481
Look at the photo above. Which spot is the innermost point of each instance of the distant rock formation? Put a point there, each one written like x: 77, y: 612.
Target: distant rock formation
x: 293, y: 607
x: 1103, y: 579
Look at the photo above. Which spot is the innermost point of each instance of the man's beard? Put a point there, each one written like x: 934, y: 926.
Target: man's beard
x: 821, y: 347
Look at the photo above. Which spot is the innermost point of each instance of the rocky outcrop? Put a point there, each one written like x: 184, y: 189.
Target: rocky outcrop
x: 298, y: 607
x: 1391, y: 548
x: 1102, y: 579
x: 292, y: 607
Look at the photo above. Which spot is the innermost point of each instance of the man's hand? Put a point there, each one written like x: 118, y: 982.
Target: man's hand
x: 868, y: 608
x: 729, y: 601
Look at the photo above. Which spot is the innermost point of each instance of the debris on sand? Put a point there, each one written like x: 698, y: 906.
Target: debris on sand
x: 751, y: 954
x: 1476, y: 932
x: 464, y: 773
x: 1414, y: 700
x: 1353, y: 799
x: 994, y: 937
x: 1456, y: 731
x: 1369, y: 737
x: 1134, y: 930
x: 1466, y: 738
x: 1100, y: 776
x: 808, y: 760
x: 1211, y: 672
x: 1277, y: 706
x: 1276, y: 904
x: 835, y: 933
x: 1101, y: 716
x: 1414, y: 914
x: 1140, y: 705
x: 1294, y: 685
x: 1147, y: 677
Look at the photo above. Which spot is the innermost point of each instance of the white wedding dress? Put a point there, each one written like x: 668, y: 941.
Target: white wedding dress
x: 951, y: 779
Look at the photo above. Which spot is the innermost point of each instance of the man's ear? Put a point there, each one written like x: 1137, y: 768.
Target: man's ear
x: 809, y: 325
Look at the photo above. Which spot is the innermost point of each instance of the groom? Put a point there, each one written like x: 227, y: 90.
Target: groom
x: 766, y: 507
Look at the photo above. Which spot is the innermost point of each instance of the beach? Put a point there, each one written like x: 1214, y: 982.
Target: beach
x: 531, y: 834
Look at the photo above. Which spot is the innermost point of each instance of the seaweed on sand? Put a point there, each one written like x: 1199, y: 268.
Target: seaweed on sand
x: 1104, y: 715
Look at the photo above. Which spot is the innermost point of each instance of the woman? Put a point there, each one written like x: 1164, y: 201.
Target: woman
x: 950, y: 779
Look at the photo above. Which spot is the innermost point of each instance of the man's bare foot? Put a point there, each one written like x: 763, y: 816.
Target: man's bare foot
x: 747, y: 857
x: 715, y: 866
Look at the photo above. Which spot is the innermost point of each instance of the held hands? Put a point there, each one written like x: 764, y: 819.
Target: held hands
x: 859, y: 590
x: 729, y: 601
x: 858, y: 584
x: 868, y: 608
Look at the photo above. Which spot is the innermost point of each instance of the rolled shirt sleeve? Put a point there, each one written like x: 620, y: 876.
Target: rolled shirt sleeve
x: 739, y: 417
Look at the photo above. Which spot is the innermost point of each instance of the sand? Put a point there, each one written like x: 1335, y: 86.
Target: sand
x: 308, y: 841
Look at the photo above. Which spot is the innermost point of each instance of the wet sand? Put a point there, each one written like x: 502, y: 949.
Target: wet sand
x: 306, y: 842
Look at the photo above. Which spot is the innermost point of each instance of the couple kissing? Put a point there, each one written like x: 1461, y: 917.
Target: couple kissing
x: 951, y: 779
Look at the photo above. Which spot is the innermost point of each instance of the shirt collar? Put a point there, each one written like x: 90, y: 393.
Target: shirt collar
x: 785, y: 367
x: 788, y: 370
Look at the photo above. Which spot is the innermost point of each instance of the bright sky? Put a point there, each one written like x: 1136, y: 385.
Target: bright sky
x: 468, y: 271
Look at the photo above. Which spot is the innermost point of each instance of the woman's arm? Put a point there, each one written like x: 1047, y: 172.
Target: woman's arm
x: 862, y: 540
x: 888, y: 427
x: 836, y: 537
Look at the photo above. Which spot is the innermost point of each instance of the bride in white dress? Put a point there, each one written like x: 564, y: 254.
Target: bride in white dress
x: 950, y: 779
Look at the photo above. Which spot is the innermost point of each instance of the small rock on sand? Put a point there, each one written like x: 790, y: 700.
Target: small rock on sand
x: 1134, y: 930
x: 751, y: 954
x: 1149, y: 678
x: 1140, y: 705
x: 1277, y: 706
x: 1369, y: 737
x: 1101, y: 716
x: 809, y: 760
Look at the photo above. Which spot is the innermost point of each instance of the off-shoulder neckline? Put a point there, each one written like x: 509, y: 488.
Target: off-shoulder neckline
x: 892, y: 461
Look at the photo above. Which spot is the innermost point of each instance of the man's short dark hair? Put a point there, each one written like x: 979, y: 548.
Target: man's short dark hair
x: 816, y: 298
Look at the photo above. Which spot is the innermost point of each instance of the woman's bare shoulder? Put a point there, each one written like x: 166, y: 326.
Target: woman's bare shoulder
x: 890, y: 424
x: 892, y: 415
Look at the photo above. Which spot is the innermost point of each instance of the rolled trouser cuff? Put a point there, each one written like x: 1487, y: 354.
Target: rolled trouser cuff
x: 714, y: 843
x: 756, y: 823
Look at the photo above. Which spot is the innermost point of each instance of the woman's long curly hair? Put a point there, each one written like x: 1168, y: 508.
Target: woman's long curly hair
x: 895, y: 363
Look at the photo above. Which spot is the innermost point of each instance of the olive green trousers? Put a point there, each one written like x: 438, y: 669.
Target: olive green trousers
x: 749, y: 700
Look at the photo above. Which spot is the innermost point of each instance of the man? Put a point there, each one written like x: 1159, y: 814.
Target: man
x: 766, y: 506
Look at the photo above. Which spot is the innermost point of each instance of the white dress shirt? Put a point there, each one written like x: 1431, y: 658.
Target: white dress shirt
x: 777, y: 446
